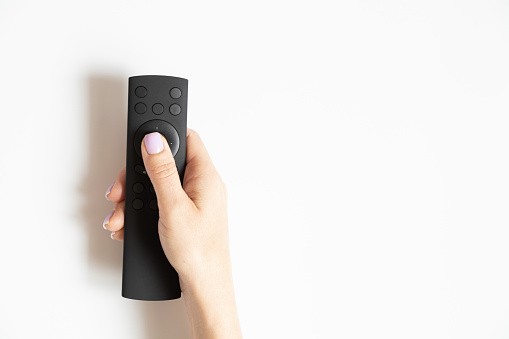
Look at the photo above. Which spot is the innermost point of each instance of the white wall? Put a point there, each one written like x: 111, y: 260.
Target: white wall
x: 364, y: 145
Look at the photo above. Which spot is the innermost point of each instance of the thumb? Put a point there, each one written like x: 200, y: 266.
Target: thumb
x: 161, y: 169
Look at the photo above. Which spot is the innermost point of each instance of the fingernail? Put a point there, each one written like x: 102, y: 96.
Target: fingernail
x: 107, y: 219
x: 154, y: 143
x: 108, y: 191
x: 112, y: 234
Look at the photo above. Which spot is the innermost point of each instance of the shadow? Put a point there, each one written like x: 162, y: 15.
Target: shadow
x: 165, y: 319
x: 107, y: 126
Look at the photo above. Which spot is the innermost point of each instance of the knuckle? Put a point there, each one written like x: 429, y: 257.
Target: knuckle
x: 193, y: 134
x: 164, y: 171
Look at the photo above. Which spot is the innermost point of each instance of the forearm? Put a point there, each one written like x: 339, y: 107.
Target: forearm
x: 211, y: 307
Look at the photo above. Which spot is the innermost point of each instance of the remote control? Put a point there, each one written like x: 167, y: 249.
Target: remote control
x: 156, y: 104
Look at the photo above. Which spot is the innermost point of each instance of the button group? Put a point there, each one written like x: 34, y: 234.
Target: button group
x: 144, y: 104
x: 157, y: 108
x: 139, y: 188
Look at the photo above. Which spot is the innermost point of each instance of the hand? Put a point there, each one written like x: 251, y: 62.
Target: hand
x: 193, y: 229
x: 193, y: 223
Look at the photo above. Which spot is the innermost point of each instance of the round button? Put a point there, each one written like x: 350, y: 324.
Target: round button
x: 138, y: 187
x: 163, y: 127
x: 175, y: 109
x: 157, y: 109
x: 153, y: 205
x: 137, y: 204
x: 140, y: 108
x: 175, y: 93
x: 140, y: 92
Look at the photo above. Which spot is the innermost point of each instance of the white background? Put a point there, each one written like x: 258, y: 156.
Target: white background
x: 364, y: 145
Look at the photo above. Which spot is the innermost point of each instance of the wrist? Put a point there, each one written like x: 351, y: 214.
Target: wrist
x: 206, y: 283
x: 210, y: 302
x: 205, y: 273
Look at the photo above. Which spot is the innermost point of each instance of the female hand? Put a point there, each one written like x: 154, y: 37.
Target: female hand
x: 193, y: 229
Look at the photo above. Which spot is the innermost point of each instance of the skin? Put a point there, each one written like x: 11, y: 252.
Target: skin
x: 193, y: 229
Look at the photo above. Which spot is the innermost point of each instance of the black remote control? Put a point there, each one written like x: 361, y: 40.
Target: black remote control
x: 156, y: 104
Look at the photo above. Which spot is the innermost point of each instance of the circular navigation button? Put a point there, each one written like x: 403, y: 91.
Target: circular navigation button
x: 137, y: 204
x: 153, y: 205
x: 157, y: 109
x: 175, y: 109
x: 140, y: 169
x: 140, y: 92
x: 163, y: 127
x: 175, y: 92
x: 140, y: 108
x: 138, y: 187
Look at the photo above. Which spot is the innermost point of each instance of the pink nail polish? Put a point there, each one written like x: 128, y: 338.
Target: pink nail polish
x: 154, y: 143
x: 107, y: 219
x: 108, y: 191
